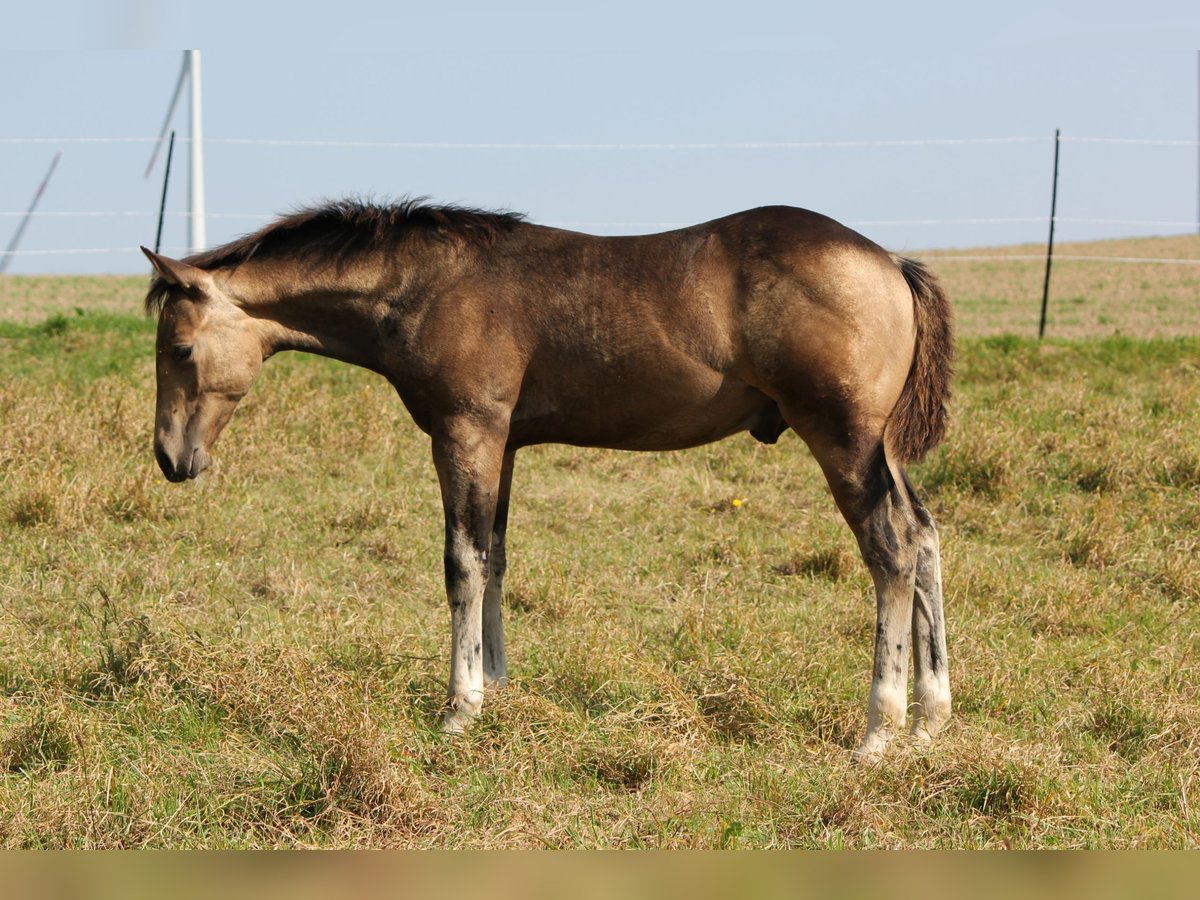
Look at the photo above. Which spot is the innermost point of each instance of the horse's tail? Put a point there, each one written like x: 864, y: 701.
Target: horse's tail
x: 918, y: 422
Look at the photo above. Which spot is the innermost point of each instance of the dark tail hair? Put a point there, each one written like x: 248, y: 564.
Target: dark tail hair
x: 918, y: 422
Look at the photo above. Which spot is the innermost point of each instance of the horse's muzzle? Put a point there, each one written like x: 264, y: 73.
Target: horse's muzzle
x: 197, y: 462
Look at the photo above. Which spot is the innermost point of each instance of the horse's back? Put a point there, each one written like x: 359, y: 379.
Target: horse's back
x: 684, y: 337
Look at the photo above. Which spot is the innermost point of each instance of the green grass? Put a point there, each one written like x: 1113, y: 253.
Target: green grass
x: 258, y: 659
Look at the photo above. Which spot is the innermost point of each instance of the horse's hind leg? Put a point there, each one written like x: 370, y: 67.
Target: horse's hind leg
x: 879, y: 511
x: 931, y: 676
x: 495, y: 666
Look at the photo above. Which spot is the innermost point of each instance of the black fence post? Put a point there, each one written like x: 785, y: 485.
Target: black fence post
x: 10, y: 251
x: 162, y: 204
x: 1050, y: 242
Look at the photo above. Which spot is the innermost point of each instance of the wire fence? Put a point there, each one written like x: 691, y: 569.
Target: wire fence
x: 749, y: 148
x: 532, y: 145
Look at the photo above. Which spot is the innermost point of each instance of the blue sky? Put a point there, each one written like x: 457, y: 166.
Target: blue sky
x: 612, y: 73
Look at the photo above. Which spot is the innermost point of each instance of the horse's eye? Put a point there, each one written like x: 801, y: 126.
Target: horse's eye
x: 181, y: 353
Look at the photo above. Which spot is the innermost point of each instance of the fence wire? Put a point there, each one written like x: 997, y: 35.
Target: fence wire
x: 629, y: 147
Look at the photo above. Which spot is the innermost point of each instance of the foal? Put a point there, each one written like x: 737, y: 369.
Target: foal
x: 498, y: 334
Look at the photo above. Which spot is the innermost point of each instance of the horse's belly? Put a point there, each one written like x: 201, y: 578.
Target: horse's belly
x: 647, y: 416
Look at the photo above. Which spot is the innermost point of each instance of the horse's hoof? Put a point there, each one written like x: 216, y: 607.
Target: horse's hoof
x: 864, y: 756
x: 460, y: 713
x: 870, y: 751
x: 456, y: 721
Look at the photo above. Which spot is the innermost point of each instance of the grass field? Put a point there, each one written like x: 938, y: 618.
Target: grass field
x: 1087, y: 298
x: 258, y: 659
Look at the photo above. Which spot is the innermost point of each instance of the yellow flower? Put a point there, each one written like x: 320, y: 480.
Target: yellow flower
x: 737, y: 501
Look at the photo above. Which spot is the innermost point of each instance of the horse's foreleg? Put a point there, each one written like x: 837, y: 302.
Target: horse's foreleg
x: 495, y: 666
x: 469, y: 459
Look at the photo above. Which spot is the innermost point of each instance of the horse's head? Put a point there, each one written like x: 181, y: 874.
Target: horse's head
x: 208, y: 354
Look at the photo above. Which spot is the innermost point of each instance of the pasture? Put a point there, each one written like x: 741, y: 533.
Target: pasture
x: 259, y: 659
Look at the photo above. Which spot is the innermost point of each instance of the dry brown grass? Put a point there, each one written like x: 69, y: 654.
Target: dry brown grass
x: 1087, y: 299
x: 257, y: 660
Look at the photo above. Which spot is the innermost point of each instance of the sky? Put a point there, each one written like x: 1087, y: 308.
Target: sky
x: 923, y: 125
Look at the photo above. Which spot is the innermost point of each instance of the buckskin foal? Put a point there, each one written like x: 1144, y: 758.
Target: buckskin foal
x: 498, y: 334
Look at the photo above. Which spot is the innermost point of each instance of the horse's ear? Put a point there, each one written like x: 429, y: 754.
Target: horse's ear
x: 192, y: 280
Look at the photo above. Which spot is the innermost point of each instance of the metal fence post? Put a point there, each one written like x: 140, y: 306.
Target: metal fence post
x: 1050, y: 242
x: 162, y: 204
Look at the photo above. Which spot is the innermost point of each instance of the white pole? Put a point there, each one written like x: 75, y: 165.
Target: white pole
x: 197, y: 238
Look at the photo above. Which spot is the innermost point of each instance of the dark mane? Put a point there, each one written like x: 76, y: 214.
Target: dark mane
x: 337, y: 232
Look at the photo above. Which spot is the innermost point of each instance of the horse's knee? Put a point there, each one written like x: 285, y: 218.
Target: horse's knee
x: 465, y: 565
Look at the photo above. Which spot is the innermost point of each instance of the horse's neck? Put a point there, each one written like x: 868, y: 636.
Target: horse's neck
x: 338, y: 312
x: 331, y: 321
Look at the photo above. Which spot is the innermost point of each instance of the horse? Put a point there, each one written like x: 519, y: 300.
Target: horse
x: 499, y: 334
